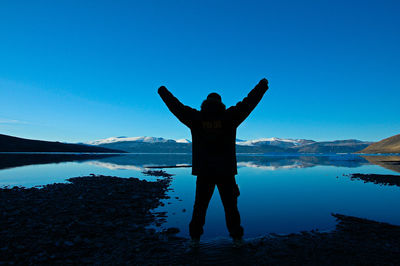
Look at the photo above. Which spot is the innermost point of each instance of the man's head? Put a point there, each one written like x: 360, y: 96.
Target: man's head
x: 213, y: 103
x: 214, y: 97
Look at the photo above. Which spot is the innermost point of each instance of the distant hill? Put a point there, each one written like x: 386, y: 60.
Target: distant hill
x: 15, y: 144
x: 266, y: 145
x: 148, y: 147
x: 337, y: 146
x: 277, y: 142
x: 388, y: 145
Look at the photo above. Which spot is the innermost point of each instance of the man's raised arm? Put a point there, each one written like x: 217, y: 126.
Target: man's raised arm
x: 242, y: 109
x: 182, y: 112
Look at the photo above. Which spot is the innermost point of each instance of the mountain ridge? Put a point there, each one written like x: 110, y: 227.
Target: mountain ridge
x: 262, y: 145
x: 146, y: 144
x: 16, y: 144
x: 387, y: 145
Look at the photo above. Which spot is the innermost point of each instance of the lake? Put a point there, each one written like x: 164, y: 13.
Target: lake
x: 280, y: 193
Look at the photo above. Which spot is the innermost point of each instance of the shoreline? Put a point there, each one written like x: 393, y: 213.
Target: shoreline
x: 105, y: 219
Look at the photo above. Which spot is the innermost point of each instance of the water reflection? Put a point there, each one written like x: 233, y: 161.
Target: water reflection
x: 267, y: 162
x: 140, y: 161
x: 11, y: 160
x: 388, y: 162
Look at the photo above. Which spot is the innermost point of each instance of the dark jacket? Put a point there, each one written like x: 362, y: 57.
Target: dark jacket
x: 214, y: 132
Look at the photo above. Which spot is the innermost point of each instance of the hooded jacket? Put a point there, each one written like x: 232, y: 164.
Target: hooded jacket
x: 213, y: 129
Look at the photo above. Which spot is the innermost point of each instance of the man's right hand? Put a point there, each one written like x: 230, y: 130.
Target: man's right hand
x: 162, y: 88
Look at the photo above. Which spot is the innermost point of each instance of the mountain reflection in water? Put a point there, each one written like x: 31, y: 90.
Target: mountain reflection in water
x: 141, y: 161
x: 388, y: 162
x: 11, y: 160
x: 267, y: 162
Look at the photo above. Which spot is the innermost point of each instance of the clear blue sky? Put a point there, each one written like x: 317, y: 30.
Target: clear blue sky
x: 84, y: 70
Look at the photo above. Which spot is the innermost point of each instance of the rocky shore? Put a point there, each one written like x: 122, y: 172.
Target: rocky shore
x: 386, y: 180
x: 105, y: 220
x: 91, y: 220
x: 355, y: 241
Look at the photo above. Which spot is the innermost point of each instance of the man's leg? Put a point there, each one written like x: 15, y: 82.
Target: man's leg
x: 229, y: 192
x: 204, y: 191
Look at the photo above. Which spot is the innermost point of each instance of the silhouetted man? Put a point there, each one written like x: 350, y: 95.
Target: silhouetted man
x: 213, y: 131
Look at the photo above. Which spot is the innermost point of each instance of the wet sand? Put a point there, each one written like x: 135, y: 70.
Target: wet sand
x: 105, y: 220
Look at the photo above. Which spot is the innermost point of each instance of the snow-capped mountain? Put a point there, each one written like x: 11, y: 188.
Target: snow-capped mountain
x: 183, y: 141
x: 283, y: 143
x: 256, y: 142
x: 135, y: 139
x: 146, y: 144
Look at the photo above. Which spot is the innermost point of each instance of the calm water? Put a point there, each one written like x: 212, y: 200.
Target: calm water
x: 279, y: 194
